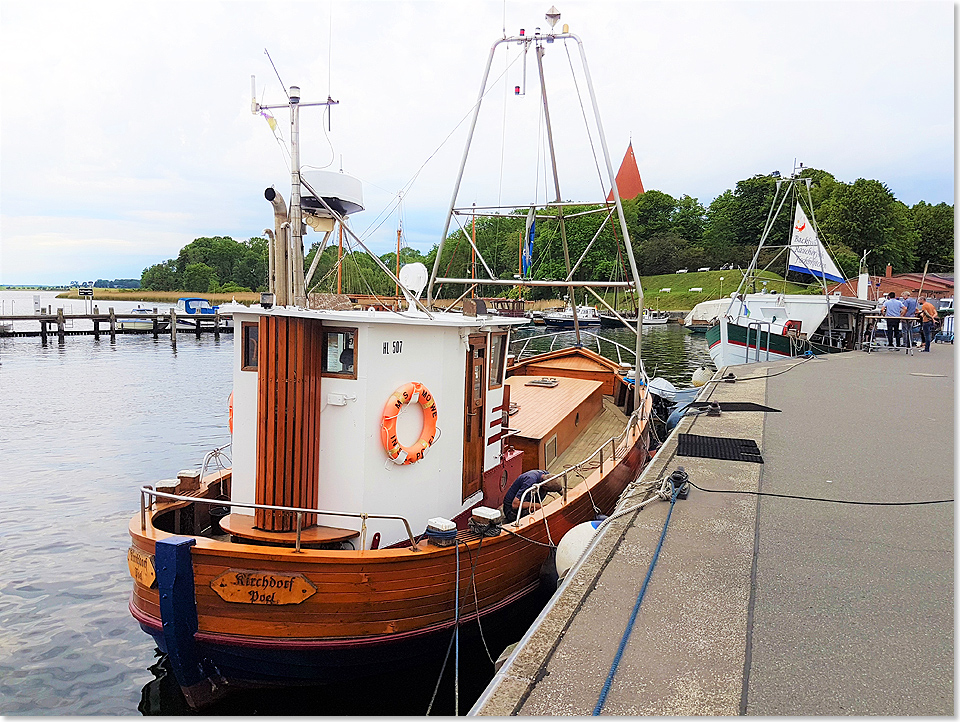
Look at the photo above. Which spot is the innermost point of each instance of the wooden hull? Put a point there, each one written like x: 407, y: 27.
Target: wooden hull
x: 371, y: 608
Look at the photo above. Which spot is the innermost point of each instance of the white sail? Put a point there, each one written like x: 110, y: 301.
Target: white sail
x: 807, y: 254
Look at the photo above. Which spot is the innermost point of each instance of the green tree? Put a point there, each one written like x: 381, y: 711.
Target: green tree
x: 200, y: 278
x: 161, y: 277
x: 865, y: 216
x: 934, y: 226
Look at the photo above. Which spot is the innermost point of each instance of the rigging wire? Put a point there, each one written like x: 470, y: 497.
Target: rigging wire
x: 388, y: 209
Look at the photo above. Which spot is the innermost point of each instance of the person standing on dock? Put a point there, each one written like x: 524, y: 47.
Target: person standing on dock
x: 910, y: 312
x: 892, y: 311
x: 928, y: 317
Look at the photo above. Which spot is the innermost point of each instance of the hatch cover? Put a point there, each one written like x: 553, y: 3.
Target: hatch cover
x: 715, y: 447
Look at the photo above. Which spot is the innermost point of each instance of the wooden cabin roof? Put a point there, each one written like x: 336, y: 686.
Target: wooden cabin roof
x: 542, y: 408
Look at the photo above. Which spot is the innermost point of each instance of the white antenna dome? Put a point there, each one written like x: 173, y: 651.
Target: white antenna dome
x: 413, y: 278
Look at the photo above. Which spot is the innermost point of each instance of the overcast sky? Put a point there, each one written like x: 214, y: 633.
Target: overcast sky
x: 126, y: 131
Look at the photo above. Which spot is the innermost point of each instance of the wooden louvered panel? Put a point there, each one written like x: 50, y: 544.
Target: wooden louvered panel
x: 288, y: 430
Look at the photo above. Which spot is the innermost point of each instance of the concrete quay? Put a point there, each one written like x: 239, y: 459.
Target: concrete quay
x: 762, y: 605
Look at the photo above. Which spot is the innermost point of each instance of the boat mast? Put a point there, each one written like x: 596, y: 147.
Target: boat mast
x: 556, y: 181
x: 289, y: 286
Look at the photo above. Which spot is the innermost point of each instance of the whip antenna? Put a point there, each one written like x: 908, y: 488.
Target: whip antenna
x: 277, y: 72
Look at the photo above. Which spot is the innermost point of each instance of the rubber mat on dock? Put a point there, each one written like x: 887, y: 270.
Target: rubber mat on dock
x: 715, y: 447
x: 735, y: 406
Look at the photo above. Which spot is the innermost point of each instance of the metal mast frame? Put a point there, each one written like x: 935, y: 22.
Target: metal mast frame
x: 538, y: 39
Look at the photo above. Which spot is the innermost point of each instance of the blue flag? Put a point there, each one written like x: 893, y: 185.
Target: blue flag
x: 526, y: 260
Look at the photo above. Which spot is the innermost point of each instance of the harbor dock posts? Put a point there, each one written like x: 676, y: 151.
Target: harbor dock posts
x: 96, y: 323
x: 113, y: 325
x: 60, y: 325
x: 156, y: 319
x: 216, y: 324
x: 43, y: 332
x: 173, y: 327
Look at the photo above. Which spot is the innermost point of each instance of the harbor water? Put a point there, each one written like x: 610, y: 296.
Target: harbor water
x: 86, y: 423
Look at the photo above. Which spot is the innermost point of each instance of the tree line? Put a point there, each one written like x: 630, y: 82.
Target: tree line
x: 667, y: 233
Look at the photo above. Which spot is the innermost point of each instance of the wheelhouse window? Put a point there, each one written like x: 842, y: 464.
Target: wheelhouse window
x: 339, y: 353
x: 250, y: 338
x: 498, y: 354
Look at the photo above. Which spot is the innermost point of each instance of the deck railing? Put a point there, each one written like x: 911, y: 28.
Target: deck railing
x: 616, y: 443
x: 555, y: 337
x: 150, y: 492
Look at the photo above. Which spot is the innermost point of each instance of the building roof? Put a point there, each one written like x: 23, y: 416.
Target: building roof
x: 936, y: 285
x: 629, y: 184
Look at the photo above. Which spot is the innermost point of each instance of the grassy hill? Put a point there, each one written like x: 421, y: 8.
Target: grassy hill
x: 681, y: 298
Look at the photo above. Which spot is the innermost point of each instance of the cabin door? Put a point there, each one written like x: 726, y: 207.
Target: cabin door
x: 474, y: 438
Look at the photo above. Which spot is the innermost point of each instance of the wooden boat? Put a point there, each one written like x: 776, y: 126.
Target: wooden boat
x: 371, y: 452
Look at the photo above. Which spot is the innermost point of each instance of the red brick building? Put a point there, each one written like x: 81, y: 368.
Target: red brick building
x: 937, y: 285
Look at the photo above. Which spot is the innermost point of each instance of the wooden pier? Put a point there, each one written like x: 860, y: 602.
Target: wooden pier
x: 112, y: 323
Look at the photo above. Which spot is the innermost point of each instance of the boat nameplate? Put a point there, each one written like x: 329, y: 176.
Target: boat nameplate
x: 252, y: 587
x: 142, y: 567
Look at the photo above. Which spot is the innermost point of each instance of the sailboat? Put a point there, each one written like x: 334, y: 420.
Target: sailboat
x: 357, y: 524
x: 770, y: 326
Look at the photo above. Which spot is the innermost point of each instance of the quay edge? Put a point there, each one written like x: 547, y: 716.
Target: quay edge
x: 753, y: 599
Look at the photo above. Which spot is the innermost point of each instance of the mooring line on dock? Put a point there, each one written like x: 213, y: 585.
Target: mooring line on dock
x: 636, y: 609
x: 815, y: 498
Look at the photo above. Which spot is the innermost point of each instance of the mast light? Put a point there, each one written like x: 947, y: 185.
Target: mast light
x: 294, y: 93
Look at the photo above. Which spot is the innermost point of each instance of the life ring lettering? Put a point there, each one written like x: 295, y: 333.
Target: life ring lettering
x: 413, y: 392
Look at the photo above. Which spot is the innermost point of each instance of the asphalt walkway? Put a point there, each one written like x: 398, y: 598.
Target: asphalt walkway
x: 762, y: 605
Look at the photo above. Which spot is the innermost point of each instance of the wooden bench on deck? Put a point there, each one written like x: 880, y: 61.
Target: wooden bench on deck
x: 241, y: 525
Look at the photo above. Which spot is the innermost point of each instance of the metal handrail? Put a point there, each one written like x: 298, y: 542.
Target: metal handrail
x: 615, y: 442
x: 757, y: 325
x: 215, y: 454
x: 526, y: 341
x: 363, y: 516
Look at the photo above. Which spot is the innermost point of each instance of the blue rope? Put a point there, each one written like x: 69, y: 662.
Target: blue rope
x: 633, y: 615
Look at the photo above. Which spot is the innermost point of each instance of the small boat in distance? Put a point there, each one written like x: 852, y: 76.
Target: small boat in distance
x: 142, y: 324
x: 191, y: 311
x: 653, y: 317
x: 586, y: 316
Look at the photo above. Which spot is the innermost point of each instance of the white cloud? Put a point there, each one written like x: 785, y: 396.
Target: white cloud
x: 136, y: 115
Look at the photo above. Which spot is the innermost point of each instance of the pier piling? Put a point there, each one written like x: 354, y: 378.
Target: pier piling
x: 113, y: 325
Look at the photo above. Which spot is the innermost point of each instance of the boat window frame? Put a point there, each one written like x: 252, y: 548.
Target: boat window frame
x: 498, y: 361
x: 245, y: 327
x: 352, y: 331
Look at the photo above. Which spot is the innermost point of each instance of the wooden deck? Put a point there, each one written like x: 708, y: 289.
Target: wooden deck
x: 609, y: 423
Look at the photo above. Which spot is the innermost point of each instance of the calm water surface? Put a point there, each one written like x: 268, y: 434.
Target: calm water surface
x: 84, y: 425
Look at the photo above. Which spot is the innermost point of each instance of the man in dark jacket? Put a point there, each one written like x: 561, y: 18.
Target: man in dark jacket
x: 511, y: 502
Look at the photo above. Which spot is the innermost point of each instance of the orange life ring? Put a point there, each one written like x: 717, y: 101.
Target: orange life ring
x: 398, y: 453
x: 791, y: 325
x: 231, y: 411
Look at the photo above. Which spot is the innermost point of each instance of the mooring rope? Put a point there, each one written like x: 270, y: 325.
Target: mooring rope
x: 633, y: 615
